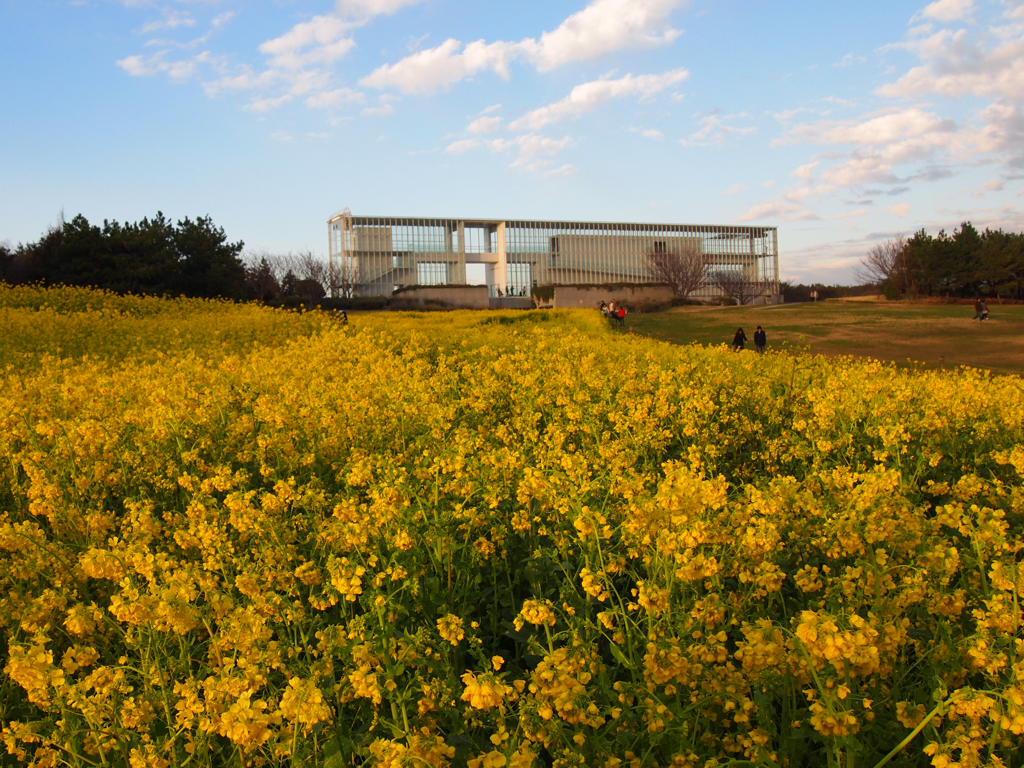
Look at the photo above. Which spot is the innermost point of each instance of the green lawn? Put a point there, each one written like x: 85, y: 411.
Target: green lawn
x: 934, y: 335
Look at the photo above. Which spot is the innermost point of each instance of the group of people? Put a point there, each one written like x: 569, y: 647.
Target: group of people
x: 760, y: 340
x: 613, y: 313
x: 512, y: 292
x: 980, y: 310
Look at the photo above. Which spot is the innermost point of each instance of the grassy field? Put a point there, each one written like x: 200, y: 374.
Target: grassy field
x: 934, y: 335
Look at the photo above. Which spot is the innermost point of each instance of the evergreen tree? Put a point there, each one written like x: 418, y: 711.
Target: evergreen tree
x: 152, y: 256
x: 208, y: 264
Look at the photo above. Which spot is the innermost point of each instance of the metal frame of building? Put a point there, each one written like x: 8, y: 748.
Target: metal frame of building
x: 381, y: 254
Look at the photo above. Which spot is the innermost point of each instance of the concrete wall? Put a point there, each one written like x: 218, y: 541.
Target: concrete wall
x: 512, y: 302
x: 569, y: 297
x: 455, y: 296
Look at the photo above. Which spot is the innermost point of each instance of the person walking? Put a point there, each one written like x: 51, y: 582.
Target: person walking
x: 621, y: 316
x: 760, y: 340
x: 613, y: 313
x: 739, y: 340
x: 977, y: 310
x: 984, y: 310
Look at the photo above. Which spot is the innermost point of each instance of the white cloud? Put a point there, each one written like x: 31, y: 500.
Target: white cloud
x: 321, y: 40
x: 484, y: 125
x: 891, y: 126
x: 805, y: 171
x: 881, y: 143
x: 179, y: 71
x: 736, y: 189
x: 136, y: 66
x: 222, y: 19
x: 602, y: 27
x: 299, y: 59
x: 381, y: 111
x: 461, y: 147
x: 428, y: 70
x: 281, y: 136
x: 773, y: 209
x: 492, y: 108
x: 947, y: 10
x: 265, y: 105
x: 563, y: 170
x: 308, y: 80
x: 958, y: 64
x: 326, y: 99
x: 713, y: 130
x: 367, y: 9
x: 245, y: 80
x: 920, y: 142
x: 171, y: 20
x: 530, y: 149
x: 588, y: 96
x: 649, y: 133
x: 789, y: 114
x: 849, y: 60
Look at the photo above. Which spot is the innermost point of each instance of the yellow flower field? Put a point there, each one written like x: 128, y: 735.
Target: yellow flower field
x: 237, y: 536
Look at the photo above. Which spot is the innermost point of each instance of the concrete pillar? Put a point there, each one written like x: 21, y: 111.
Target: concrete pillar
x: 501, y: 267
x: 461, y: 255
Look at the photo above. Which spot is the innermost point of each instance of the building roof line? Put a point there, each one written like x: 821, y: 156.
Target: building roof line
x: 557, y: 222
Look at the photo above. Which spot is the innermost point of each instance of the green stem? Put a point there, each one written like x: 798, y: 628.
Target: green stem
x: 920, y: 727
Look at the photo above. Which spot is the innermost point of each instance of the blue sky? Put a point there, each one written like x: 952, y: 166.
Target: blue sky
x: 841, y: 123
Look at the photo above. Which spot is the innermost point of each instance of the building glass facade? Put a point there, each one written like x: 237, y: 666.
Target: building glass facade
x: 380, y: 254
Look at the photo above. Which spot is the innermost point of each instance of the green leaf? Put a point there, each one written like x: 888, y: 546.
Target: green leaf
x: 619, y: 656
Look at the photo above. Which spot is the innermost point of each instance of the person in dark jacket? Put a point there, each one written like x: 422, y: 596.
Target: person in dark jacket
x: 977, y: 310
x: 760, y: 340
x: 739, y: 340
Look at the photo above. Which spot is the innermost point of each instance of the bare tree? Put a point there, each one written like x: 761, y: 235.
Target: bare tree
x: 308, y: 267
x: 262, y: 275
x: 735, y: 284
x: 684, y: 271
x: 887, y: 263
x: 301, y: 274
x: 344, y: 278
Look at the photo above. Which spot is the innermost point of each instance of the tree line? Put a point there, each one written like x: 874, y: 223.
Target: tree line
x: 192, y: 257
x: 962, y: 264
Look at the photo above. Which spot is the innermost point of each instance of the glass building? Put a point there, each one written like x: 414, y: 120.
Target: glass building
x: 377, y: 255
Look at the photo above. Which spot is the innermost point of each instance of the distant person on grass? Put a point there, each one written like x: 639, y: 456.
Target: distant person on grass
x: 760, y: 340
x: 977, y: 310
x: 621, y: 316
x: 984, y: 310
x: 739, y: 340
